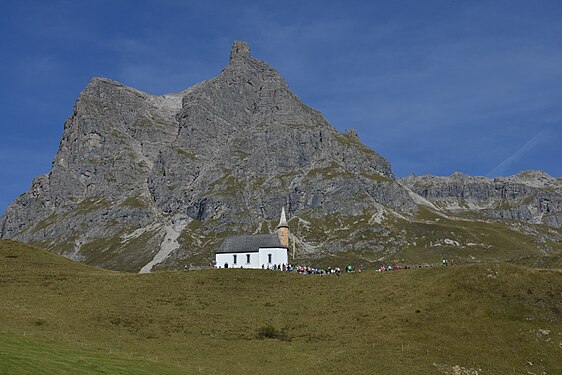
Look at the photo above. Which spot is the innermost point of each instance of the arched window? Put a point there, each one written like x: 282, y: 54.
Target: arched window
x: 268, y: 258
x: 247, y: 258
x: 234, y: 261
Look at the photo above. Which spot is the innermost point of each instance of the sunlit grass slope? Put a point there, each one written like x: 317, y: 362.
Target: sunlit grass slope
x: 65, y: 317
x: 23, y: 355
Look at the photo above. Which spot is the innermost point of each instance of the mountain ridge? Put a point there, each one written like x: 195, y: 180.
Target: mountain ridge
x: 532, y: 196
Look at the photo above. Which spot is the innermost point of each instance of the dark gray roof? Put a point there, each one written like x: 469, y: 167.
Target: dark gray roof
x: 249, y: 243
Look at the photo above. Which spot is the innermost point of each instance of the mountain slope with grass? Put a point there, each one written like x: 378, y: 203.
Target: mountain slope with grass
x: 478, y: 319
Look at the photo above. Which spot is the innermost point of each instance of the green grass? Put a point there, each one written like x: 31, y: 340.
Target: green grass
x: 492, y: 241
x: 333, y: 170
x: 112, y: 252
x: 349, y: 140
x: 376, y: 177
x: 22, y: 355
x: 362, y: 242
x: 43, y: 224
x: 57, y: 316
x: 89, y: 205
x: 135, y: 202
x: 184, y: 152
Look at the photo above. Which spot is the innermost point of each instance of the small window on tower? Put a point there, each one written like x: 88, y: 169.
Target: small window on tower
x: 234, y: 261
x: 247, y: 258
x: 268, y: 258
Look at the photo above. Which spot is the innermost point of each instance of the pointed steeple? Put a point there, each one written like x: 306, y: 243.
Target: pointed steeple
x: 283, y: 220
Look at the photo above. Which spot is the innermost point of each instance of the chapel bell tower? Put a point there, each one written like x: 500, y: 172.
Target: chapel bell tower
x: 283, y: 229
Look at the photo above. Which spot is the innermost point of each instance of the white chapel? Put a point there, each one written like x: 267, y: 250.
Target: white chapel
x: 255, y: 251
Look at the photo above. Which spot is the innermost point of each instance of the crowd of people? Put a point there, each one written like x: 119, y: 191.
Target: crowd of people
x: 444, y: 262
x: 322, y: 271
x: 399, y: 267
x: 308, y: 270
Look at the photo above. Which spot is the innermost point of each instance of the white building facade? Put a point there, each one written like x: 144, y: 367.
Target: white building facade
x: 263, y: 258
x: 261, y: 251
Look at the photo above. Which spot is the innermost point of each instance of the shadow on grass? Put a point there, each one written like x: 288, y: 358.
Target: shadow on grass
x: 270, y: 332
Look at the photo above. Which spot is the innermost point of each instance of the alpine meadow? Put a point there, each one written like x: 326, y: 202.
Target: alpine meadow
x: 227, y: 227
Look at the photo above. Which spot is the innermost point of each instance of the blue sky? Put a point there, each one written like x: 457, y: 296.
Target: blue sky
x: 433, y: 86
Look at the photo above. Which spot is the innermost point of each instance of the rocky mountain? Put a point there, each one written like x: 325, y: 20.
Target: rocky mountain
x: 530, y: 196
x: 143, y: 181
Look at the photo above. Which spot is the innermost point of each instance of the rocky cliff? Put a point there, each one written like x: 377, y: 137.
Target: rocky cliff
x: 530, y: 196
x: 143, y: 181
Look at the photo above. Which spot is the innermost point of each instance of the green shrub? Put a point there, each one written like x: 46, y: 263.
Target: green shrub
x: 270, y: 332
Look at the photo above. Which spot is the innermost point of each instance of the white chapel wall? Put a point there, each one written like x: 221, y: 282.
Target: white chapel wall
x: 241, y: 260
x: 278, y: 256
x: 257, y: 259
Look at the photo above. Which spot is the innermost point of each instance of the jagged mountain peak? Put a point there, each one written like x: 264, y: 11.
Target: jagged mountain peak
x: 240, y: 50
x: 100, y: 81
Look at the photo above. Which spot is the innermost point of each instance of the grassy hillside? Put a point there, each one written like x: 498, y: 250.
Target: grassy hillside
x: 427, y: 238
x: 64, y: 317
x: 23, y: 355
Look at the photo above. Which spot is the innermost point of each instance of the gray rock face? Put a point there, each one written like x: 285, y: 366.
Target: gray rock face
x: 530, y: 196
x: 134, y: 170
x: 143, y: 181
